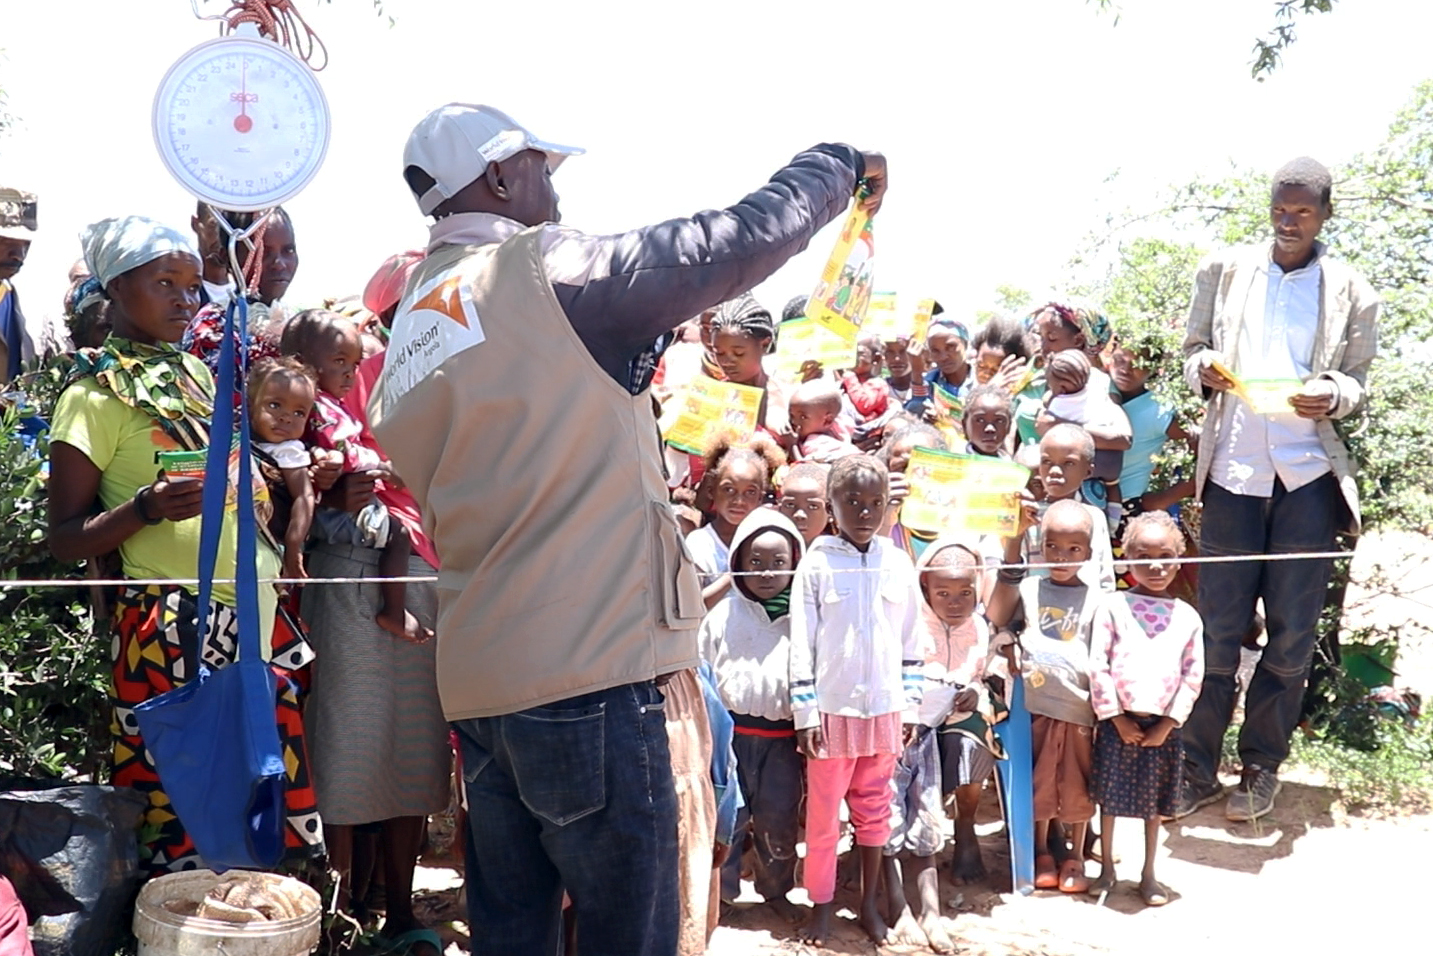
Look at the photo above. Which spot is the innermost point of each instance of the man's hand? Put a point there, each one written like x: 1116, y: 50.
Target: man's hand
x: 908, y: 734
x: 1212, y: 378
x: 875, y: 181
x: 1128, y: 730
x: 1010, y: 373
x: 720, y: 851
x: 352, y: 492
x: 810, y: 743
x: 1317, y: 399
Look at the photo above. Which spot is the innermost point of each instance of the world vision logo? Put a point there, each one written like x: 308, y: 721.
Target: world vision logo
x: 446, y: 299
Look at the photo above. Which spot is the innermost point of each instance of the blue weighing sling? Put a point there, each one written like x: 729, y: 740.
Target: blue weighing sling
x: 215, y: 741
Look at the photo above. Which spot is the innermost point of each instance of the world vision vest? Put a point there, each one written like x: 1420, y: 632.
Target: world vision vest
x: 540, y: 482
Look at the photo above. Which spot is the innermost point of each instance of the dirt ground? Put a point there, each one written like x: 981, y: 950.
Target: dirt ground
x: 1308, y: 878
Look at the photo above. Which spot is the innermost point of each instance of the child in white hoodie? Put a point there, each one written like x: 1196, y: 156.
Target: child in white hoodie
x: 855, y: 683
x: 746, y: 639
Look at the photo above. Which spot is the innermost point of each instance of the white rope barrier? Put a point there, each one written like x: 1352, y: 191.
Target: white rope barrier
x: 430, y: 579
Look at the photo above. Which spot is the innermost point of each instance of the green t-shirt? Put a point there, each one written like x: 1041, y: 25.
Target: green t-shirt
x: 123, y: 442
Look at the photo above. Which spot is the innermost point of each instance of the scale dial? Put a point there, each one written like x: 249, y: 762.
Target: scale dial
x: 241, y: 123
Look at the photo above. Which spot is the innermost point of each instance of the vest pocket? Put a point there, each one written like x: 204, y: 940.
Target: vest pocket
x: 679, y: 592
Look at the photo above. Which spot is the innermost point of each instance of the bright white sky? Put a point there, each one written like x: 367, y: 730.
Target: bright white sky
x: 1002, y: 121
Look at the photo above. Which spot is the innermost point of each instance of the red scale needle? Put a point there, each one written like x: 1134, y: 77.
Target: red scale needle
x: 243, y: 122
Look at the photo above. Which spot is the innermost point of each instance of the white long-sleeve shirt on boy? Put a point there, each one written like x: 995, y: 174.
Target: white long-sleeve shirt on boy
x: 1146, y: 657
x: 855, y: 635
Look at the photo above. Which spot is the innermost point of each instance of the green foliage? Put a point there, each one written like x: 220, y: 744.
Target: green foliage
x: 54, y: 672
x: 1397, y: 773
x: 1268, y: 49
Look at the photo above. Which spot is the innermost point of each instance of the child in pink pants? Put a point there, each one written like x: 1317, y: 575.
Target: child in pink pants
x: 855, y: 683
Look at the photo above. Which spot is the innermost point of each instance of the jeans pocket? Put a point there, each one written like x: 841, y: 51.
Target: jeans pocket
x: 557, y: 757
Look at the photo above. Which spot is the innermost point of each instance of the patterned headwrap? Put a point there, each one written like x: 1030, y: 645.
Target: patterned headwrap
x: 115, y: 246
x: 83, y: 294
x: 386, y: 287
x: 1066, y: 314
x: 950, y: 325
x: 1095, y: 327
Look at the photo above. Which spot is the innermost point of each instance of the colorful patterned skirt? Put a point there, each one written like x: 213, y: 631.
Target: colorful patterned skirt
x: 156, y: 648
x: 1134, y: 781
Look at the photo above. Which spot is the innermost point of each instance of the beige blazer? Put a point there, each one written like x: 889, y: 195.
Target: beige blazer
x: 1344, y: 346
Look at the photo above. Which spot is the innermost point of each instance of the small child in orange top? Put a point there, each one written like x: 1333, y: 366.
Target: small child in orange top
x: 332, y: 346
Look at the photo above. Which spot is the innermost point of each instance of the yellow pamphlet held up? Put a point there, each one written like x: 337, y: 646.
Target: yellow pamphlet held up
x: 840, y: 300
x: 706, y: 409
x: 802, y: 340
x: 1266, y: 396
x: 925, y: 311
x: 884, y: 319
x: 963, y: 494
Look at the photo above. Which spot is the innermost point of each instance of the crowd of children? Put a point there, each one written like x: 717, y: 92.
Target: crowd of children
x: 868, y: 663
x: 850, y: 658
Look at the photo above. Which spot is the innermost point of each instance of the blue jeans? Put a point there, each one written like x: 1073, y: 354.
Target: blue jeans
x: 574, y: 796
x: 1293, y: 593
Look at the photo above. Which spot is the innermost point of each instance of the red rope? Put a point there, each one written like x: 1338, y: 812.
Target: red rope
x: 280, y: 22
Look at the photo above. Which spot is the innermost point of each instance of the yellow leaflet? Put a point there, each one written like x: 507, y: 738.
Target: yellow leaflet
x: 969, y: 494
x: 925, y: 309
x: 1270, y: 396
x: 840, y: 300
x: 884, y: 319
x: 802, y: 340
x: 706, y: 409
x: 1266, y: 396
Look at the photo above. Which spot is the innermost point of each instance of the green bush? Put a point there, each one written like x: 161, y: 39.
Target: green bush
x: 54, y: 667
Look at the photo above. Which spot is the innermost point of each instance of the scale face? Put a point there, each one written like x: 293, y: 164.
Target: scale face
x: 241, y: 123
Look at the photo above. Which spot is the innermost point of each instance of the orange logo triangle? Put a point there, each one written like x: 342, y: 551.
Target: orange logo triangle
x: 447, y: 299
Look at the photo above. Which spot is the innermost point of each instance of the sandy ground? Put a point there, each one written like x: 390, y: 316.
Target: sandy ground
x: 1309, y: 877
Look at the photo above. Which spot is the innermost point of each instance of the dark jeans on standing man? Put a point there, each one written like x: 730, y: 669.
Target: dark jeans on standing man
x: 1293, y: 591
x: 574, y: 796
x: 770, y: 771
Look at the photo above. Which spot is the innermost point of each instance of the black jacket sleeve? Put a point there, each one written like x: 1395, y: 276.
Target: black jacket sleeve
x: 622, y: 291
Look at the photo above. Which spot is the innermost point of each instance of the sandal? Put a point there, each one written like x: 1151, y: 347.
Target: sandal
x: 1046, y: 877
x: 1154, y: 896
x: 1073, y: 878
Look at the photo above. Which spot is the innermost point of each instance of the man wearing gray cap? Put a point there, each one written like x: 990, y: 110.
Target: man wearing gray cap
x: 514, y: 404
x: 18, y: 222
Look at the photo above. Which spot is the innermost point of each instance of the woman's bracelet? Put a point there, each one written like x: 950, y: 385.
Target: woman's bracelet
x: 142, y: 511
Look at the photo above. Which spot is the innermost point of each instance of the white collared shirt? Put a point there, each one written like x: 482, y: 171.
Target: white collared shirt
x: 1276, y: 342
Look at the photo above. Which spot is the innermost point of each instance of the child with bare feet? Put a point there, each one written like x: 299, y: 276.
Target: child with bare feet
x: 855, y: 684
x: 281, y: 398
x: 331, y: 345
x: 1054, y: 660
x: 1146, y: 671
x: 746, y: 639
x: 954, y: 750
